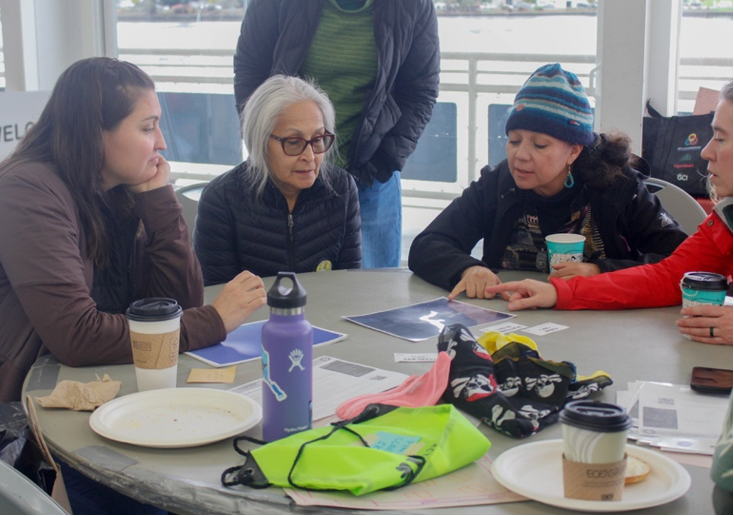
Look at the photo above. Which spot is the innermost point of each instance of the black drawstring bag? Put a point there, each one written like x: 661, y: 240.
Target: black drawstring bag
x: 672, y: 146
x: 19, y: 449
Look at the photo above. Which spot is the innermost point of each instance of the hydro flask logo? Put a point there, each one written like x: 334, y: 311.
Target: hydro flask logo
x: 295, y: 357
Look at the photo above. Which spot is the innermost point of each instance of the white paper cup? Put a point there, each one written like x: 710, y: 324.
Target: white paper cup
x: 702, y: 288
x: 155, y: 326
x: 593, y: 447
x: 594, y: 441
x: 564, y: 247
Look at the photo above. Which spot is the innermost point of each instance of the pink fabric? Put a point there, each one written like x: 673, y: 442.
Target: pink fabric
x: 416, y: 391
x: 708, y: 249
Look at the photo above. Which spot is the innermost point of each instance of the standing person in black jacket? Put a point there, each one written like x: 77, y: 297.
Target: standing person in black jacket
x: 286, y: 208
x: 560, y: 177
x: 378, y: 60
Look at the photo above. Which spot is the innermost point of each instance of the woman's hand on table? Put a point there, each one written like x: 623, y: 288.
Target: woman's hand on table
x: 568, y: 270
x: 474, y: 282
x: 239, y: 299
x: 702, y: 320
x: 526, y: 294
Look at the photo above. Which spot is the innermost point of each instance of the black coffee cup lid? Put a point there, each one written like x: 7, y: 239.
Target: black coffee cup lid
x: 596, y: 415
x: 154, y: 309
x: 699, y: 280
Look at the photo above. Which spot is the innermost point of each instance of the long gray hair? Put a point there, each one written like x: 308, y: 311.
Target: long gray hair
x: 260, y: 114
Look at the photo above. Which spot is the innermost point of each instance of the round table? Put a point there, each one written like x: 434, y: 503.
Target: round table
x: 630, y: 345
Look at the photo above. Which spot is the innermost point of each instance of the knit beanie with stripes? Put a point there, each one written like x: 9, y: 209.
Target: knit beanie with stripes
x: 553, y: 101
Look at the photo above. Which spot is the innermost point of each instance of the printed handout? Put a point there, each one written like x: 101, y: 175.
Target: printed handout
x: 334, y: 382
x: 245, y: 343
x: 673, y: 417
x: 425, y: 320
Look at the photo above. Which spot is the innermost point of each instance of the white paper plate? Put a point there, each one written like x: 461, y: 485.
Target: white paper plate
x: 534, y: 470
x: 175, y: 418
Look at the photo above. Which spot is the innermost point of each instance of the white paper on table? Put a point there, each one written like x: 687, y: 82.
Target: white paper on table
x: 470, y: 485
x: 691, y: 459
x: 415, y: 357
x: 334, y: 382
x: 505, y: 327
x: 545, y: 328
x: 679, y: 419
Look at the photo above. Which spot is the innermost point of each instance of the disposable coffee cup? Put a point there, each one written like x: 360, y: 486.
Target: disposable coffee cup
x: 564, y: 247
x: 594, y: 440
x: 702, y: 288
x: 155, y: 327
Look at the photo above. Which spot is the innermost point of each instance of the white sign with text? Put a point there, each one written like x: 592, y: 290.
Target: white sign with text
x: 19, y: 110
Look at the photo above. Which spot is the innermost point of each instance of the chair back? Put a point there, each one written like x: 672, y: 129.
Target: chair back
x: 188, y: 198
x: 19, y: 495
x: 679, y: 203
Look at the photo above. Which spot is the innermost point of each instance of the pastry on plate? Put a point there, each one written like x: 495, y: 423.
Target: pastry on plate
x: 637, y: 470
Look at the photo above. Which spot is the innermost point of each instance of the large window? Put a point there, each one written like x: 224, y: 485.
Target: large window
x: 487, y: 53
x: 489, y: 47
x: 705, y: 47
x: 187, y: 48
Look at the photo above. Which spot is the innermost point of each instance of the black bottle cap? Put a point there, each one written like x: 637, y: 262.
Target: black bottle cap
x: 286, y: 292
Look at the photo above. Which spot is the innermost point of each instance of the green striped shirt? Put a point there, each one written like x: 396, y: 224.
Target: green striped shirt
x: 343, y: 61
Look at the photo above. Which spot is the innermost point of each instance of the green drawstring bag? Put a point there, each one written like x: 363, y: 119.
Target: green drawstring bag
x: 385, y: 447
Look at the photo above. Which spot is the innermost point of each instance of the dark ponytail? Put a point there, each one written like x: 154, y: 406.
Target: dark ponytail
x: 600, y: 163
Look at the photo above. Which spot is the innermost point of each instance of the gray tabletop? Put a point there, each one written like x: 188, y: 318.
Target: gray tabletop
x: 630, y: 345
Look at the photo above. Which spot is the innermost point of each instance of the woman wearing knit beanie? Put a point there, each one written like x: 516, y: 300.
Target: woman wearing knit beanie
x: 559, y: 177
x: 708, y: 249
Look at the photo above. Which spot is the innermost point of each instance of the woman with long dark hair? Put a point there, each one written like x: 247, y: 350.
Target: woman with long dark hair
x: 89, y: 223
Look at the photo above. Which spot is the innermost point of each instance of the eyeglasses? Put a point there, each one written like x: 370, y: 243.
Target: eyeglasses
x: 294, y: 146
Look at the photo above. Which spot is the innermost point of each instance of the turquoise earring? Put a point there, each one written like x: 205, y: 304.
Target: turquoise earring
x: 568, y: 182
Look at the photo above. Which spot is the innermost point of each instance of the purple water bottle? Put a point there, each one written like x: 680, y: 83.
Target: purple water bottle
x: 287, y: 360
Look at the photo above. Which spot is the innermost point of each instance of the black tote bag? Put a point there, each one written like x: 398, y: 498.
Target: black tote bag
x: 672, y: 146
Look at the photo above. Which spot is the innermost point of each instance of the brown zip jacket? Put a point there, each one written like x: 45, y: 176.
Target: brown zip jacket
x: 46, y: 278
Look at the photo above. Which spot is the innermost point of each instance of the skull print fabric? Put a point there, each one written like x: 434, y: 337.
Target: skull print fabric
x: 513, y: 390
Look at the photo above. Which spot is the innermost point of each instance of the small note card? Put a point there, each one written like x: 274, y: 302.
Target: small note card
x: 225, y: 375
x: 545, y: 328
x: 415, y: 357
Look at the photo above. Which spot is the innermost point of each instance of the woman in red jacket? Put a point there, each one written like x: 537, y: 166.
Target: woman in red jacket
x: 709, y: 249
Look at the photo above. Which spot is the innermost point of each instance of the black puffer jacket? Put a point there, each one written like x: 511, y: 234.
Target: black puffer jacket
x: 236, y: 231
x: 276, y: 36
x: 632, y: 223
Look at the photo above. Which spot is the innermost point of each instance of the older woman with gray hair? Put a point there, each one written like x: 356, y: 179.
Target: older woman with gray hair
x: 286, y: 208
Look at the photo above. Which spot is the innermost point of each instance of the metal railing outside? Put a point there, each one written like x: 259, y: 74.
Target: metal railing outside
x: 472, y: 80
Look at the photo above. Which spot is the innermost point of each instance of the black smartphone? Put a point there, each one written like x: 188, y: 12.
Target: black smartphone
x: 711, y: 380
